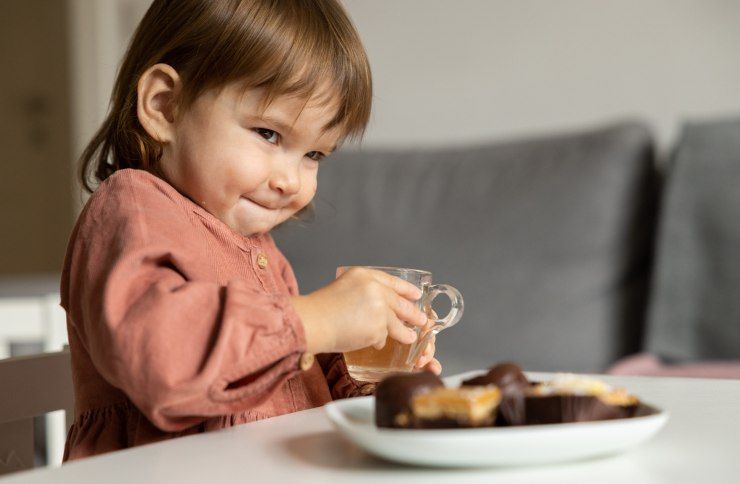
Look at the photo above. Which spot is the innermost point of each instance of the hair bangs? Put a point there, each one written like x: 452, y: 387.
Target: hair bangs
x: 310, y: 55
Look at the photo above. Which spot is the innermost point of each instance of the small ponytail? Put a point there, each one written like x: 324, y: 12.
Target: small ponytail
x: 120, y: 142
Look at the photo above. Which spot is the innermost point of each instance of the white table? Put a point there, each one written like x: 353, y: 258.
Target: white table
x: 700, y: 444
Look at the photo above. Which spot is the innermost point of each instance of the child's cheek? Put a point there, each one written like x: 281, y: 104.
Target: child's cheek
x: 305, y: 197
x: 309, y: 182
x: 308, y: 196
x: 312, y: 192
x: 248, y: 176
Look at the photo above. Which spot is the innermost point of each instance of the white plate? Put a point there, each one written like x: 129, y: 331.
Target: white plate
x: 499, y: 446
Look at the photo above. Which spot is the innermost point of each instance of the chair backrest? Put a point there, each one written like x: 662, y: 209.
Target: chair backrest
x: 695, y: 308
x: 31, y: 386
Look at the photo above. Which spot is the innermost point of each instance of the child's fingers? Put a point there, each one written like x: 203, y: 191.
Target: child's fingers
x: 427, y: 354
x: 407, y: 311
x: 399, y: 286
x: 379, y: 345
x: 434, y: 366
x: 399, y: 331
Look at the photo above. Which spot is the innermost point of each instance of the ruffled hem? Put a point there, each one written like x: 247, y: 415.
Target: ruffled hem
x: 122, y: 425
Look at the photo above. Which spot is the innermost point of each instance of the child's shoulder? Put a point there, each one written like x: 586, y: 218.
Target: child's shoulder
x: 137, y: 185
x: 134, y: 194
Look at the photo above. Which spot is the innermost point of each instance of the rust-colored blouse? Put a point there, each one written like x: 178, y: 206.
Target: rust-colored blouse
x: 179, y: 325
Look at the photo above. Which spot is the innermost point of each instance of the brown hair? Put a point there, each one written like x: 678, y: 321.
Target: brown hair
x: 284, y: 46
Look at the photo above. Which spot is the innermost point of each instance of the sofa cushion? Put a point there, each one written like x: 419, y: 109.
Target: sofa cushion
x: 695, y: 308
x: 548, y: 239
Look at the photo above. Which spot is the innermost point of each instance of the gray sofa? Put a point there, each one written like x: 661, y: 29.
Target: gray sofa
x: 694, y: 311
x: 548, y: 239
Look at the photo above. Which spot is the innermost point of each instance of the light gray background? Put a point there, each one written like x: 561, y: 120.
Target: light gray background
x: 447, y: 72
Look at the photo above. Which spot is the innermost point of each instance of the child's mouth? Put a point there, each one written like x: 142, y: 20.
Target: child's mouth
x: 261, y: 205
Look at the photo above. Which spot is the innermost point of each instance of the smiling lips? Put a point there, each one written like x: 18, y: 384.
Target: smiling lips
x: 268, y: 207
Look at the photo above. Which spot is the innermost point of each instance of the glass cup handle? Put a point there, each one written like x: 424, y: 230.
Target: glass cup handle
x: 452, y: 318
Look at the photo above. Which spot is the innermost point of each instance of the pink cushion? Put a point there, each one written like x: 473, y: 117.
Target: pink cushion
x: 646, y: 364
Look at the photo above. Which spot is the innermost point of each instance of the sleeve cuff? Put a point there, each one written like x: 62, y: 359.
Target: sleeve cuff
x: 341, y: 384
x: 260, y: 374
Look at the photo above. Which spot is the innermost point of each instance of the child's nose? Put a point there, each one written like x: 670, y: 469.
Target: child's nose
x: 286, y: 179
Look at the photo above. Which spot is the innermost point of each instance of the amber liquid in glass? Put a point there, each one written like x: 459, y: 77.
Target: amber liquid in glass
x: 369, y: 364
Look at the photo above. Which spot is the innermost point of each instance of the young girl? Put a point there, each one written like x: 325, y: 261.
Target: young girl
x: 182, y: 314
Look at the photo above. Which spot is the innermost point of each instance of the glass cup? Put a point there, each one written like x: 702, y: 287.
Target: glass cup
x: 371, y: 365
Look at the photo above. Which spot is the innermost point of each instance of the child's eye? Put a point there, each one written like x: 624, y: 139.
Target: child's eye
x: 269, y: 135
x: 315, y: 155
x: 273, y: 137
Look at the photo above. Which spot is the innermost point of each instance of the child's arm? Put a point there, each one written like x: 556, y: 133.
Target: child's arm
x: 341, y: 384
x: 181, y: 349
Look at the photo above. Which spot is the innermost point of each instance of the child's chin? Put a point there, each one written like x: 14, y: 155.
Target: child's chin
x: 254, y: 227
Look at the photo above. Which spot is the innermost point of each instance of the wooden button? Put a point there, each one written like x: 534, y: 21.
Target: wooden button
x: 262, y: 261
x: 306, y: 361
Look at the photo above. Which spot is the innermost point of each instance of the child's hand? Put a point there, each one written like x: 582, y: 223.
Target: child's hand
x: 361, y: 308
x: 426, y: 360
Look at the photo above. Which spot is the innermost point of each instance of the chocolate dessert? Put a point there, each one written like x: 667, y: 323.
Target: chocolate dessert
x: 501, y: 397
x: 570, y: 398
x: 456, y: 407
x: 393, y: 397
x: 512, y: 382
x: 509, y: 377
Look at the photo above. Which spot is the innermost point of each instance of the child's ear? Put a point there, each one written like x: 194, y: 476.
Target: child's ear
x: 158, y: 90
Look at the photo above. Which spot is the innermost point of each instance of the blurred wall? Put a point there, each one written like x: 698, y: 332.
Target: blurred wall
x: 453, y: 71
x: 35, y: 169
x: 446, y: 72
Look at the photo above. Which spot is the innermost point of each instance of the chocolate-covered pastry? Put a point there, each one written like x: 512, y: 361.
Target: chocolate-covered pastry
x: 501, y: 397
x: 512, y: 382
x: 569, y: 398
x: 393, y: 397
x: 571, y: 408
x: 456, y: 407
x: 507, y: 376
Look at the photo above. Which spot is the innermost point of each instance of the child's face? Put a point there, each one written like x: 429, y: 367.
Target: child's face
x: 251, y: 170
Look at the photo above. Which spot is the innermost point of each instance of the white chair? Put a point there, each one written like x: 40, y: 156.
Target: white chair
x: 30, y: 313
x: 31, y: 386
x: 33, y: 319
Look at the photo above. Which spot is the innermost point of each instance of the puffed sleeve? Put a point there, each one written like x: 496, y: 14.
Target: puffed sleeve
x: 181, y: 349
x: 341, y: 384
